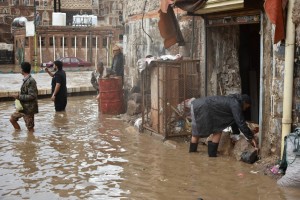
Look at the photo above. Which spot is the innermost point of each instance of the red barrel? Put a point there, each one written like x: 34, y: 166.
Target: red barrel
x: 111, y: 95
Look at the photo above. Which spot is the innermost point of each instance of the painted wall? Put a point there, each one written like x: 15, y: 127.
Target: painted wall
x: 139, y: 43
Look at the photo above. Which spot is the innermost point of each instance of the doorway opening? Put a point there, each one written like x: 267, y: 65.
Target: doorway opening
x: 233, y: 60
x: 249, y: 62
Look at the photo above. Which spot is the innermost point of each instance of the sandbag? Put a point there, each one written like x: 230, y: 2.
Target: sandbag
x: 292, y: 173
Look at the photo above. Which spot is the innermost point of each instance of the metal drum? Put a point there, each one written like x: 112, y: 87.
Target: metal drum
x: 111, y: 95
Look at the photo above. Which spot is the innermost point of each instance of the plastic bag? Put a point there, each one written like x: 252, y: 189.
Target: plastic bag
x: 250, y: 156
x: 18, y: 105
x: 292, y: 159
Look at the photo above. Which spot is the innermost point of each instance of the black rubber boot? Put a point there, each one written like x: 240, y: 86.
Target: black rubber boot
x: 212, y: 149
x: 193, y: 147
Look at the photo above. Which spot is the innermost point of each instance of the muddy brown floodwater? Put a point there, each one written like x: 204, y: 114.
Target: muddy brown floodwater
x: 81, y: 154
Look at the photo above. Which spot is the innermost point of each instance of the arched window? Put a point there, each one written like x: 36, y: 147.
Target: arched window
x: 114, y: 6
x: 45, y: 16
x: 26, y: 2
x: 5, y: 11
x: 120, y: 6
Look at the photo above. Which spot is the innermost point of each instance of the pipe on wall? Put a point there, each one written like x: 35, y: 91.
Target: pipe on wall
x: 96, y: 53
x: 288, y: 75
x: 192, y: 38
x: 261, y: 81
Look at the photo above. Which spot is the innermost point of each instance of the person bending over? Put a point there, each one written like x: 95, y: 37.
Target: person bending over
x: 211, y: 115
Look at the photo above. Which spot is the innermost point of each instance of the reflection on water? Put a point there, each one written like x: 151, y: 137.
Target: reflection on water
x: 81, y: 154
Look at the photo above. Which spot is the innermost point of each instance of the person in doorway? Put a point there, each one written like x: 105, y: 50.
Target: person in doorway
x: 58, y: 86
x: 28, y: 98
x: 211, y: 115
x: 117, y: 66
x: 96, y: 74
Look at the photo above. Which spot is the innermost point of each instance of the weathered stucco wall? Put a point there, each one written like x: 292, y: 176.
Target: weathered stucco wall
x: 273, y: 87
x: 274, y: 65
x: 137, y: 44
x: 223, y: 60
x: 296, y: 20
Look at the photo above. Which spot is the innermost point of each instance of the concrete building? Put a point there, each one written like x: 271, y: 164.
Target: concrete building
x: 52, y: 42
x: 234, y: 42
x: 88, y: 36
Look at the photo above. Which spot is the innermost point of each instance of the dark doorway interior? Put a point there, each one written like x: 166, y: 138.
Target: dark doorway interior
x: 249, y: 62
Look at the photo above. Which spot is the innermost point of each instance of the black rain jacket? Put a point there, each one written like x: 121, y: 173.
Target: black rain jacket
x: 215, y: 113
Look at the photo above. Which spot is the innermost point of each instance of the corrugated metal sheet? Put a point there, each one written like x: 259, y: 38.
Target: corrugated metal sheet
x: 220, y: 5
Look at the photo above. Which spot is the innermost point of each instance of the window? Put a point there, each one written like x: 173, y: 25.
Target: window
x: 73, y: 42
x: 26, y: 3
x: 5, y: 10
x: 64, y: 41
x: 74, y: 60
x: 51, y: 42
x: 43, y: 41
x: 26, y: 42
x: 121, y: 37
x: 94, y: 42
x: 65, y: 60
x: 15, y: 2
x: 83, y: 43
x: 104, y: 42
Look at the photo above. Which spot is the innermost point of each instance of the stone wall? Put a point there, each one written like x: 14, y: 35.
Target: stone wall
x: 139, y: 43
x: 274, y: 65
x: 273, y: 73
x: 296, y: 20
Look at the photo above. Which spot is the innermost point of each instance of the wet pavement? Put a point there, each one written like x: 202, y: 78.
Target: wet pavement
x: 82, y: 154
x: 78, y: 80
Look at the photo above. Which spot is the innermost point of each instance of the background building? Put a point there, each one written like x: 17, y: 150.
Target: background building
x: 60, y: 27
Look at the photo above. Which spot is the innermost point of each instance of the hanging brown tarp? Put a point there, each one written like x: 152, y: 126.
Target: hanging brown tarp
x: 274, y: 10
x: 169, y: 28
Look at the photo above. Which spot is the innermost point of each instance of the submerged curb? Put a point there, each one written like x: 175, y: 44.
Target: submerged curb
x: 78, y: 83
x: 46, y: 92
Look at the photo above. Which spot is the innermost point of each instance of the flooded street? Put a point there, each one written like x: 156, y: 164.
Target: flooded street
x: 81, y: 154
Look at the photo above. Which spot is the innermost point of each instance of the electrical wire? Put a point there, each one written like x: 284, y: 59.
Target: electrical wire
x: 143, y: 21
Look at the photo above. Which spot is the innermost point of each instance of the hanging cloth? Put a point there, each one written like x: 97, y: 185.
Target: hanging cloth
x: 169, y: 28
x: 274, y: 10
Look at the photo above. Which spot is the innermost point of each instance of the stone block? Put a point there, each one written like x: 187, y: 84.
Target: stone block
x: 136, y: 97
x: 133, y: 108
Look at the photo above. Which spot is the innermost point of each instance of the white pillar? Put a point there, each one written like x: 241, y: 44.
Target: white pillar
x: 41, y: 55
x: 75, y: 45
x: 53, y: 47
x: 96, y: 52
x: 63, y: 46
x: 86, y: 47
x: 107, y: 52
